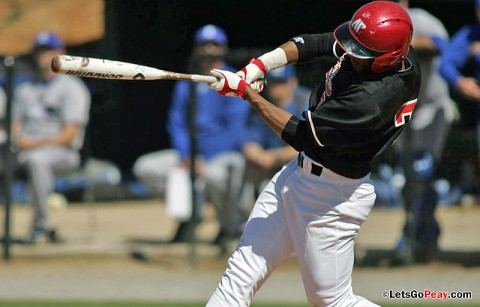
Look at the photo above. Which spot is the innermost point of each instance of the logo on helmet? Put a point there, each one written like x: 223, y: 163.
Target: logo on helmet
x: 357, y: 25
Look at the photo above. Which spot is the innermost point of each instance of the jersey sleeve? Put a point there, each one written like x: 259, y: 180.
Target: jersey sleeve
x: 311, y: 46
x: 77, y: 102
x: 332, y: 124
x: 454, y: 56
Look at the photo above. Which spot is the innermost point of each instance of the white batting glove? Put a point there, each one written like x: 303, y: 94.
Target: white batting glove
x: 258, y: 85
x: 228, y: 84
x: 255, y: 70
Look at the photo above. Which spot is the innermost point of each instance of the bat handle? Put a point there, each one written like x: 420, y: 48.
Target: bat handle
x: 204, y: 78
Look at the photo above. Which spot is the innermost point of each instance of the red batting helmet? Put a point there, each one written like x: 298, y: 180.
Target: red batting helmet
x: 380, y: 30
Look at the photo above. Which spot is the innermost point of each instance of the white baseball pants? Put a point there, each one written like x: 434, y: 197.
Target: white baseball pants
x: 318, y: 218
x: 42, y: 164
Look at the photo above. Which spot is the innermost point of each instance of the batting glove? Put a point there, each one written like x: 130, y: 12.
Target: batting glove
x: 258, y: 85
x: 255, y: 70
x: 228, y: 84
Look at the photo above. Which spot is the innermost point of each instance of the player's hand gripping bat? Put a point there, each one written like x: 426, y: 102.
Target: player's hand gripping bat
x: 108, y: 69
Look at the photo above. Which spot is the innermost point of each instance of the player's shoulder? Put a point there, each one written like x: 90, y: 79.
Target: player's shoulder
x: 69, y: 81
x: 419, y: 13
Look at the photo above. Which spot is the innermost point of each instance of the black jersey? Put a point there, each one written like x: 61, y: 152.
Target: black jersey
x: 352, y: 116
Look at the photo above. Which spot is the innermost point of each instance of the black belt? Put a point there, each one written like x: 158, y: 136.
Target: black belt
x: 316, y: 169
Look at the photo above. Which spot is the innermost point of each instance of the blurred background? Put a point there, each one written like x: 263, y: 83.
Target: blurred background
x: 128, y: 119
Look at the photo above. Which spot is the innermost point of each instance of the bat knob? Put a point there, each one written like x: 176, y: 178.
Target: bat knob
x: 55, y: 64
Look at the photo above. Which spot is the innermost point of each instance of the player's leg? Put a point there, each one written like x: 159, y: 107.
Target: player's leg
x: 264, y: 244
x: 429, y: 139
x: 223, y: 180
x: 323, y: 216
x: 254, y: 181
x: 41, y: 164
x: 152, y: 169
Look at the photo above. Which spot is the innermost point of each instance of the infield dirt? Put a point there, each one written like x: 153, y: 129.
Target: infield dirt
x: 120, y: 251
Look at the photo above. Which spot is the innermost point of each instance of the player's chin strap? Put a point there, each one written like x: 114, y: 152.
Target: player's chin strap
x: 335, y: 45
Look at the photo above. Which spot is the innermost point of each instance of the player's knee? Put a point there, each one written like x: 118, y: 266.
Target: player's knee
x: 139, y: 168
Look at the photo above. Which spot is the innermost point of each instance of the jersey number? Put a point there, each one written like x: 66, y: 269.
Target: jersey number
x: 405, y: 113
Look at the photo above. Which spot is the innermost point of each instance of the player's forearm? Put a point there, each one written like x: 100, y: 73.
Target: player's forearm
x: 291, y: 51
x: 285, y: 154
x: 66, y: 137
x: 274, y: 116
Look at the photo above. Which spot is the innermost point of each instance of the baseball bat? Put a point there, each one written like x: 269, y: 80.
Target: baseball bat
x: 108, y: 69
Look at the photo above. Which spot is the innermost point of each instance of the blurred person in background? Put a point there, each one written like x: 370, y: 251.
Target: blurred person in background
x: 460, y: 66
x: 264, y: 152
x: 3, y: 134
x: 218, y: 123
x: 49, y: 118
x: 429, y: 128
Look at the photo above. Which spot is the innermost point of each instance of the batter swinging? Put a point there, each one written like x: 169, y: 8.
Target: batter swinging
x: 316, y: 204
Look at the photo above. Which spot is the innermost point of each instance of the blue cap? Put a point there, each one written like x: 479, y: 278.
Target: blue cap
x: 281, y: 74
x: 477, y: 3
x: 210, y: 33
x: 49, y: 40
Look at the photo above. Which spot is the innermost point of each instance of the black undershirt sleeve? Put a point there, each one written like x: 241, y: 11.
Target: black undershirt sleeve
x: 296, y: 133
x: 311, y: 46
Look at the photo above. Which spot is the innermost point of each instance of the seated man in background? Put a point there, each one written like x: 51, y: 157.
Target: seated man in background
x: 265, y: 153
x: 49, y: 117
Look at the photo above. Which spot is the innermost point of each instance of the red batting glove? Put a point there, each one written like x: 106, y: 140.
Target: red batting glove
x: 255, y: 70
x: 228, y: 84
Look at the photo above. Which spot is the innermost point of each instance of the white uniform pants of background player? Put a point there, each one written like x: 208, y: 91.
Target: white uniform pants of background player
x: 152, y: 169
x: 318, y: 218
x: 42, y: 164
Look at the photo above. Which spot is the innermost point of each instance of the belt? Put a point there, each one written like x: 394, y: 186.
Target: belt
x: 315, y: 169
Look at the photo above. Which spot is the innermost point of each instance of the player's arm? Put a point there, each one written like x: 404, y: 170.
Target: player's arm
x: 301, y: 48
x: 317, y: 128
x: 266, y: 159
x: 230, y: 84
x: 454, y: 57
x: 65, y: 137
x: 276, y: 118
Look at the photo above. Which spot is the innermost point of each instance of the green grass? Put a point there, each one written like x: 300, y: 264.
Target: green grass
x: 46, y: 303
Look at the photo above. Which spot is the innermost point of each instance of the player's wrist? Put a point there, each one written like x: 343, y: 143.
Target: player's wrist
x: 260, y: 65
x: 242, y: 85
x: 273, y: 59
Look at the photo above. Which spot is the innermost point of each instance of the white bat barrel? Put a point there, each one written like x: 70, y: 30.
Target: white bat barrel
x: 108, y: 69
x: 103, y: 69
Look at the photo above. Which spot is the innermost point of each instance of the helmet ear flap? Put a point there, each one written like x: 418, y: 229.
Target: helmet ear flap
x: 388, y: 61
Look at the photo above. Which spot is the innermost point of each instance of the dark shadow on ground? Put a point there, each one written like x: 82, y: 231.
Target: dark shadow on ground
x: 383, y: 258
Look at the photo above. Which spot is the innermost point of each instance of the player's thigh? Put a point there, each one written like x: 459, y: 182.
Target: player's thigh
x: 57, y: 158
x: 156, y: 165
x: 266, y: 230
x: 223, y: 168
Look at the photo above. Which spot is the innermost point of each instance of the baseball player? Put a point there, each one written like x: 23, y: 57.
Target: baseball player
x: 429, y: 128
x: 316, y: 204
x: 49, y: 118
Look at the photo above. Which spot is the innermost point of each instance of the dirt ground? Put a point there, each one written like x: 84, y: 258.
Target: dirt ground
x: 120, y: 251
